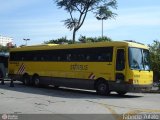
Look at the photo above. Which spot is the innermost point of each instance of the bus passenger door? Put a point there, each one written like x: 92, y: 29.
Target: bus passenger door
x: 120, y: 65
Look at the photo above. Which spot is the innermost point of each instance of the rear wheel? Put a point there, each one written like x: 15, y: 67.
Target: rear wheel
x: 102, y: 88
x: 36, y: 81
x: 26, y: 80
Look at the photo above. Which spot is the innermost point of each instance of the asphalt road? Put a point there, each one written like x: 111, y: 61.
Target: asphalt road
x: 30, y: 100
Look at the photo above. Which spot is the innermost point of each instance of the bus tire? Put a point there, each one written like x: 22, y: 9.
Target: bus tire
x: 56, y: 87
x: 26, y: 80
x: 121, y: 93
x: 36, y: 81
x: 102, y: 88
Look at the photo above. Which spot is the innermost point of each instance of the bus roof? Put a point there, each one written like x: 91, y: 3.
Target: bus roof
x: 80, y: 45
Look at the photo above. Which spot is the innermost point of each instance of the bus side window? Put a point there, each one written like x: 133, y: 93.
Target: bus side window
x: 80, y: 57
x: 100, y: 58
x: 105, y: 57
x: 109, y: 57
x: 87, y: 58
x: 69, y: 57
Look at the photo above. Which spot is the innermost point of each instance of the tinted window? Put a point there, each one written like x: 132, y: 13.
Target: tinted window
x: 102, y: 54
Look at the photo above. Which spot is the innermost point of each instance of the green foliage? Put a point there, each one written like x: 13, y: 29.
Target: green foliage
x: 104, y: 12
x: 155, y: 58
x: 85, y: 39
x: 59, y: 41
x: 78, y: 10
x: 103, y: 39
x: 82, y: 39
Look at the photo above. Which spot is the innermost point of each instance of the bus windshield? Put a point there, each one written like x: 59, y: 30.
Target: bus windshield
x: 139, y: 59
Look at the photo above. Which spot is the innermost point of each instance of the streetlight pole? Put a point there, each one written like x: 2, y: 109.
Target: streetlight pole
x: 26, y: 40
x: 101, y: 18
x: 102, y: 27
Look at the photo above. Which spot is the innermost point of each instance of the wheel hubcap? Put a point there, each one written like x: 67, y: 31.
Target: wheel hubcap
x: 36, y: 81
x: 25, y: 81
x: 102, y: 87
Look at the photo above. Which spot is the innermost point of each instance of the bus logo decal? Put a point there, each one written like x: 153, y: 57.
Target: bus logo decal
x: 21, y: 69
x: 91, y: 76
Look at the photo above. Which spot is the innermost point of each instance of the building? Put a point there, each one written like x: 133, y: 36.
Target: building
x: 4, y: 40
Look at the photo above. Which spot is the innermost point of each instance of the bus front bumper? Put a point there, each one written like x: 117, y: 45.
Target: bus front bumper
x: 130, y: 87
x: 139, y: 88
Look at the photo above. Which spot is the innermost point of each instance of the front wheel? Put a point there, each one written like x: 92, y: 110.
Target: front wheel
x: 102, y: 88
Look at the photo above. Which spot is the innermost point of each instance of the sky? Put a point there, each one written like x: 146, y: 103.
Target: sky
x: 41, y: 20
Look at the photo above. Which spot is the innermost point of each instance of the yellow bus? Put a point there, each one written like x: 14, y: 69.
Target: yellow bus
x: 103, y: 66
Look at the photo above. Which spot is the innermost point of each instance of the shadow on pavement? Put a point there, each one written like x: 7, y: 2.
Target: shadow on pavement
x: 63, y: 92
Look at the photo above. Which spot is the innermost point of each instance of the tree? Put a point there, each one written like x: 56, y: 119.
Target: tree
x: 59, y: 41
x: 105, y: 13
x: 84, y: 39
x: 155, y: 58
x: 104, y: 39
x: 78, y: 10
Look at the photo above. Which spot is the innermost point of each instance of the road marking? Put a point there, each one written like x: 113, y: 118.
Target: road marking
x: 133, y: 111
x: 112, y: 111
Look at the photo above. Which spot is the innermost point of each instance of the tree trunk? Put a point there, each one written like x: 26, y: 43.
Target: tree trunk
x: 74, y: 35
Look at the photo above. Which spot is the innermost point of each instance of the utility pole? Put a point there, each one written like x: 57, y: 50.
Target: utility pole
x: 26, y: 40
